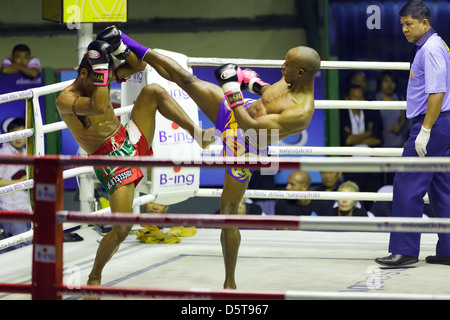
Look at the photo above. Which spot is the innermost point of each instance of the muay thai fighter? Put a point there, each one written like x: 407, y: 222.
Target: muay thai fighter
x: 86, y: 108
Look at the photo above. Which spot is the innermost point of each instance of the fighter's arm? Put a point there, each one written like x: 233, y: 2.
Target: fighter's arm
x: 288, y: 121
x: 69, y: 102
x: 131, y: 66
x: 16, y: 68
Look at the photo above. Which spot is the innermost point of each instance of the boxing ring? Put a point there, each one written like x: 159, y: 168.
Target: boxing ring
x: 49, y: 215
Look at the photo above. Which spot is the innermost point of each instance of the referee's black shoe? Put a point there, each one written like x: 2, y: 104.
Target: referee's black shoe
x: 438, y: 260
x: 396, y: 260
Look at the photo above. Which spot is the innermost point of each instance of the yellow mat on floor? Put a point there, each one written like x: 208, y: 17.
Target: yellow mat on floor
x: 152, y: 234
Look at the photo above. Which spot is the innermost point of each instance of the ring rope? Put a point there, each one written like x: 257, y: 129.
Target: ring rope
x: 262, y: 63
x: 225, y: 294
x: 256, y: 194
x: 235, y: 294
x: 306, y: 223
x: 327, y: 151
x: 329, y: 164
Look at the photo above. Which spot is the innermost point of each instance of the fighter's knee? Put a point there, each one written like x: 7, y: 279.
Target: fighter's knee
x: 231, y: 207
x: 152, y: 89
x: 120, y: 233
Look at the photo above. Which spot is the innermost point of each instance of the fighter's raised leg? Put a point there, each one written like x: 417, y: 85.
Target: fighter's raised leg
x: 154, y: 97
x: 206, y: 95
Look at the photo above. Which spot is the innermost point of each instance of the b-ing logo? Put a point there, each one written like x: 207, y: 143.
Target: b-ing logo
x: 176, y: 179
x: 137, y: 77
x: 176, y: 137
x: 178, y: 93
x: 45, y: 253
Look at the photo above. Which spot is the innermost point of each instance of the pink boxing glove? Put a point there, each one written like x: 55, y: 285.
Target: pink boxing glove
x: 251, y: 81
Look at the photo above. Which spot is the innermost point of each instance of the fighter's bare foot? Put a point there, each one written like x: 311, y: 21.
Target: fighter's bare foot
x: 231, y: 285
x: 208, y: 137
x: 93, y: 282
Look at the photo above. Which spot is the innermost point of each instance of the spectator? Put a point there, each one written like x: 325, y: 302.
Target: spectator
x: 359, y: 79
x: 300, y: 181
x: 395, y: 125
x: 10, y: 174
x: 348, y: 207
x: 362, y: 128
x: 153, y: 207
x: 330, y: 181
x: 21, y: 61
x: 394, y: 121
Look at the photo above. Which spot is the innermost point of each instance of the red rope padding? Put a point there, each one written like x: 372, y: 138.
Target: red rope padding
x: 203, y: 220
x: 16, y: 216
x: 158, y: 293
x: 15, y: 288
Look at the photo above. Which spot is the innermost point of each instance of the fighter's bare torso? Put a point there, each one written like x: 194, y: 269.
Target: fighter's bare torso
x: 278, y: 99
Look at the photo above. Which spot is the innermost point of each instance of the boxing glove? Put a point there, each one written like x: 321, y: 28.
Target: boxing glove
x: 138, y: 49
x: 252, y: 82
x: 99, y: 57
x: 229, y: 78
x: 113, y: 37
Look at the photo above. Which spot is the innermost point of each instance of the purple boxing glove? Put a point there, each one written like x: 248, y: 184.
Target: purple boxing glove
x: 138, y: 49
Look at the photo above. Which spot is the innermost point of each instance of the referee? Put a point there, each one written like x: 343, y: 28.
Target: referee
x: 428, y: 106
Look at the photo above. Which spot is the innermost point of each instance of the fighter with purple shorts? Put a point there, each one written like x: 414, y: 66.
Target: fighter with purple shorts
x: 235, y: 142
x: 284, y: 108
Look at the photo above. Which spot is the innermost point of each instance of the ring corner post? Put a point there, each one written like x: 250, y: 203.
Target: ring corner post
x: 47, y: 273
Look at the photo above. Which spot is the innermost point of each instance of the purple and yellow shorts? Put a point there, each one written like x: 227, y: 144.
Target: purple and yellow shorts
x: 237, y: 143
x: 128, y: 142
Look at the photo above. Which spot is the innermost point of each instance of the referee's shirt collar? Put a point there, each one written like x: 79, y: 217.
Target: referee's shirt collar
x: 425, y: 37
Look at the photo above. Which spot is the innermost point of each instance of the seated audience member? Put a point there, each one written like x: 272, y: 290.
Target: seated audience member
x: 349, y: 207
x: 395, y: 124
x: 359, y: 78
x: 394, y: 121
x: 10, y: 174
x: 300, y: 181
x: 21, y: 61
x: 153, y: 207
x: 362, y: 128
x: 330, y: 182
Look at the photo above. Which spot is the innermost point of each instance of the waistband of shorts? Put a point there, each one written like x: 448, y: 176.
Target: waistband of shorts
x: 107, y: 146
x: 422, y: 117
